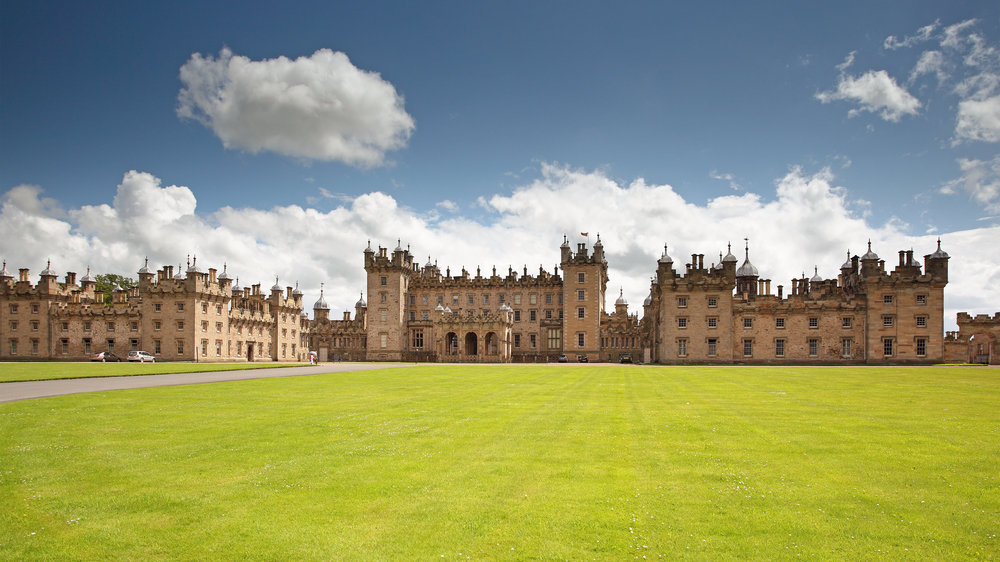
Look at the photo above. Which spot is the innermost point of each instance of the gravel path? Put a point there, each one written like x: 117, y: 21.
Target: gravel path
x: 12, y: 391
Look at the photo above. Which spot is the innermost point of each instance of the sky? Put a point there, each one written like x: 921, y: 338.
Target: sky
x: 280, y: 139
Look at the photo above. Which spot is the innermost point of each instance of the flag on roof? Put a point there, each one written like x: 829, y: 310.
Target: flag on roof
x: 584, y: 234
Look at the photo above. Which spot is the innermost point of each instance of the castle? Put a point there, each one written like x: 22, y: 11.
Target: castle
x: 723, y: 313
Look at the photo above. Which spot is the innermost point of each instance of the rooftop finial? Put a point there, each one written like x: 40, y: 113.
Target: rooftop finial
x: 747, y: 240
x: 870, y: 244
x: 939, y: 242
x: 815, y: 270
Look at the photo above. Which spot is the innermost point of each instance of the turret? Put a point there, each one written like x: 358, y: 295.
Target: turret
x: 49, y: 282
x: 145, y: 276
x: 746, y: 277
x: 321, y: 310
x: 936, y: 264
x: 870, y: 263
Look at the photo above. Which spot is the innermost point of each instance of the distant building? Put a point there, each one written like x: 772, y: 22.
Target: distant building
x: 720, y: 314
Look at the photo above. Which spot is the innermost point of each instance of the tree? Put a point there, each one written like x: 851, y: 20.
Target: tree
x: 107, y: 282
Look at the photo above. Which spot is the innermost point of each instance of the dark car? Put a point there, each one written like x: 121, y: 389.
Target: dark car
x: 582, y: 359
x: 625, y: 358
x: 105, y: 357
x: 563, y: 359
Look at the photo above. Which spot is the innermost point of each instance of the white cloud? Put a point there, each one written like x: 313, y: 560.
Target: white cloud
x: 715, y: 175
x: 448, y: 205
x: 923, y: 34
x: 981, y: 180
x: 27, y: 197
x: 979, y: 120
x: 320, y: 107
x: 874, y: 91
x: 930, y: 62
x: 806, y: 221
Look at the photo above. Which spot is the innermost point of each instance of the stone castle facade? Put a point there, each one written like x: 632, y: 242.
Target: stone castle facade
x: 723, y: 313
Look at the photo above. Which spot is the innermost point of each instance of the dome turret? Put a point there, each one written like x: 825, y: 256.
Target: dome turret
x: 816, y: 278
x: 847, y: 264
x: 276, y: 286
x: 145, y: 268
x: 321, y: 303
x: 729, y: 254
x: 4, y: 273
x: 649, y: 300
x: 224, y: 274
x: 939, y: 253
x: 48, y: 272
x: 86, y: 278
x: 179, y: 276
x: 361, y: 302
x: 193, y: 266
x: 747, y: 269
x: 621, y: 298
x: 296, y: 291
x: 870, y: 255
x: 665, y: 258
x: 236, y: 286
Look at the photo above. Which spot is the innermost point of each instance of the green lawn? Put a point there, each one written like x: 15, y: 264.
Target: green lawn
x: 25, y: 371
x: 513, y: 463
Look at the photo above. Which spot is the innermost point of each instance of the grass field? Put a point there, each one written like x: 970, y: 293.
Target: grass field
x: 513, y: 463
x: 34, y: 371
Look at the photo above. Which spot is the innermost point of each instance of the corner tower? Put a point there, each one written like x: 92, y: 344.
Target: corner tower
x: 388, y: 286
x: 585, y: 279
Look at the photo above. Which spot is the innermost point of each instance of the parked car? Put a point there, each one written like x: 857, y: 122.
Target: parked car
x: 105, y: 357
x: 582, y: 359
x: 141, y: 356
x: 563, y: 359
x: 625, y: 358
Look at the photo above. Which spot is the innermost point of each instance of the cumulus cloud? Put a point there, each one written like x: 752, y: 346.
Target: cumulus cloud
x: 319, y: 107
x: 807, y: 220
x: 980, y: 180
x: 979, y: 120
x: 874, y: 91
x: 448, y: 205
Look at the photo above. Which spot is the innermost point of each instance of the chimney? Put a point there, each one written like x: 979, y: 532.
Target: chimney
x: 70, y: 278
x: 781, y: 289
x: 902, y: 256
x: 701, y: 261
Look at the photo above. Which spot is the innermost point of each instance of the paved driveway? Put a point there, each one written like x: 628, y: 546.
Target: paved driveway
x: 12, y: 391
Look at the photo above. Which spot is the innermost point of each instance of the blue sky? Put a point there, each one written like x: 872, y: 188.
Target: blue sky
x: 483, y: 113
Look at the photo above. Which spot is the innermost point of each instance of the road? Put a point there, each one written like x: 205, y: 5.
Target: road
x: 12, y: 391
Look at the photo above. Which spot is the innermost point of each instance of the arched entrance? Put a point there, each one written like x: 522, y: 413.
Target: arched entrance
x: 451, y: 344
x: 250, y: 352
x: 471, y: 344
x: 491, y: 343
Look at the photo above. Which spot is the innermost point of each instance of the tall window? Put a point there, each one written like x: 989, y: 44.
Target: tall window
x: 517, y: 316
x: 382, y: 281
x: 418, y: 339
x: 581, y: 295
x: 532, y: 341
x: 887, y: 321
x: 555, y: 335
x: 779, y: 348
x: 384, y: 340
x: 581, y: 339
x: 533, y: 315
x: 747, y: 348
x: 581, y: 277
x: 682, y: 348
x: 517, y: 340
x: 887, y: 347
x: 581, y: 313
x: 711, y: 347
x: 156, y: 347
x: 548, y: 298
x: 813, y: 347
x: 921, y: 347
x: 845, y: 348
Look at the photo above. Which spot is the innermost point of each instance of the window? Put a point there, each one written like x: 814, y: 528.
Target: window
x: 713, y: 302
x: 441, y: 299
x: 887, y: 321
x: 156, y: 307
x: 284, y: 332
x: 682, y: 323
x: 581, y: 295
x: 382, y: 297
x: 13, y: 347
x: 180, y: 347
x: 204, y: 308
x: 34, y: 325
x: 779, y: 323
x: 34, y: 310
x: 180, y: 307
x: 747, y: 348
x: 921, y: 321
x: 383, y: 314
x: 382, y: 281
x: 813, y: 347
x: 111, y: 346
x: 845, y: 322
x: 64, y: 343
x: 555, y: 335
x: 845, y: 348
x: 581, y: 339
x: 384, y: 340
x: 86, y: 345
x: 13, y: 326
x: 814, y: 322
x: 156, y: 347
x: 65, y: 326
x: 581, y: 277
x: 413, y: 316
x: 560, y: 314
x: 34, y: 347
x: 135, y: 326
x: 682, y: 302
x: 887, y: 347
x: 711, y: 347
x: 581, y: 313
x: 548, y: 298
x: 218, y: 310
x: 533, y: 298
x: 517, y: 316
x: 472, y: 300
x: 111, y: 326
x: 533, y: 315
x: 921, y: 299
x: 748, y: 322
x: 284, y: 349
x: 218, y: 328
x: 517, y: 340
x: 682, y: 348
x: 531, y: 341
x: 423, y: 300
x: 204, y: 326
x: 921, y: 347
x: 713, y: 322
x: 779, y: 348
x: 517, y: 299
x: 486, y: 299
x: 413, y: 300
x: 133, y: 345
x: 13, y: 310
x: 418, y: 339
x: 180, y: 324
x: 560, y: 298
x: 887, y: 299
x: 425, y: 316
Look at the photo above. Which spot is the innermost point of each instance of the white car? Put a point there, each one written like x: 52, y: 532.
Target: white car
x: 141, y: 356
